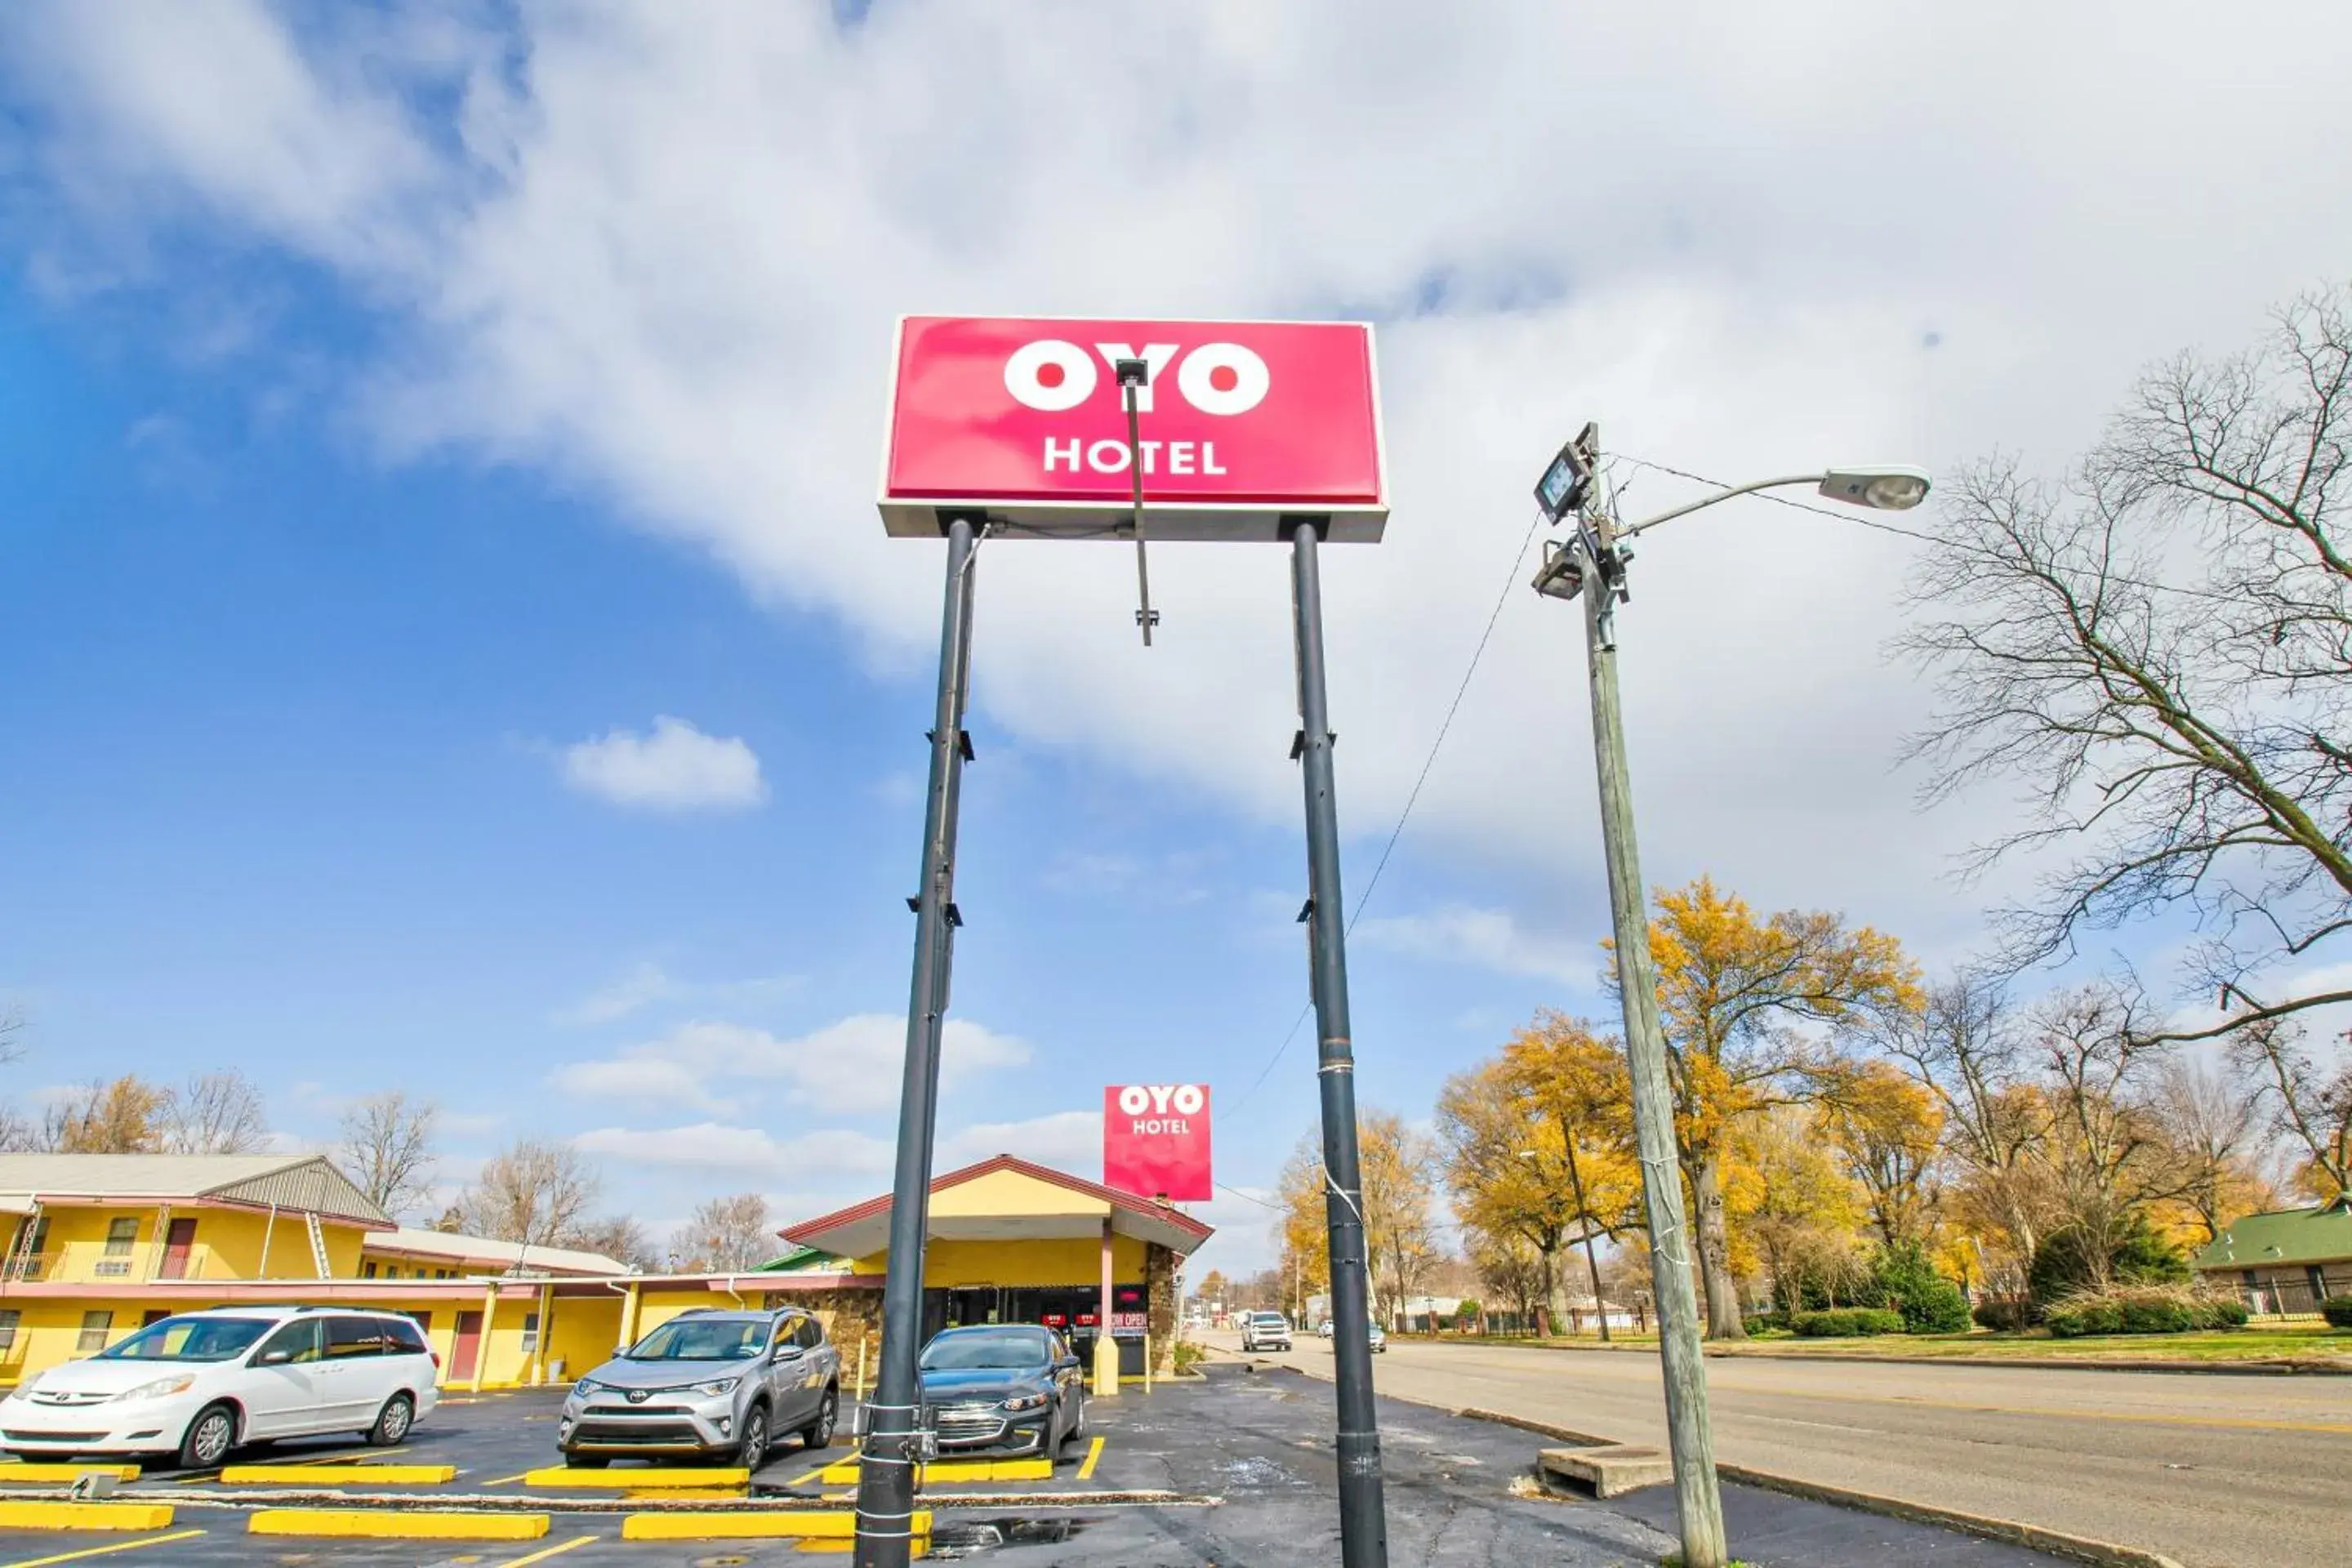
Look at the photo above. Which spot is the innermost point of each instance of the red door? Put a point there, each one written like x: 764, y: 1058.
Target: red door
x: 176, y: 1243
x: 468, y: 1348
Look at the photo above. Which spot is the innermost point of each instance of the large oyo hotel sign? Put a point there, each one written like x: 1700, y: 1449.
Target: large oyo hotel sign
x: 1022, y: 420
x: 1156, y: 1140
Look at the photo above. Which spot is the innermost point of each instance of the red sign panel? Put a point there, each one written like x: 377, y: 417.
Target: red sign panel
x: 1156, y: 1140
x: 1239, y: 424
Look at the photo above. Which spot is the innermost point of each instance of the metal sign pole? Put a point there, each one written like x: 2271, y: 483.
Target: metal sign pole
x: 886, y: 1476
x: 1363, y: 1523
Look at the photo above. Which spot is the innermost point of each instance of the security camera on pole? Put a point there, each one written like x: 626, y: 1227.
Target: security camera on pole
x: 1592, y: 561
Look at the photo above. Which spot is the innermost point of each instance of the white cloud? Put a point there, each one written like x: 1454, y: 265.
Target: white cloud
x: 645, y: 983
x: 1489, y: 938
x: 577, y: 269
x: 849, y: 1067
x: 745, y: 1152
x: 1068, y: 1140
x: 676, y: 768
x: 648, y: 984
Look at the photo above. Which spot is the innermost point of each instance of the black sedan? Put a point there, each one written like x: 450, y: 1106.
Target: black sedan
x: 1006, y: 1387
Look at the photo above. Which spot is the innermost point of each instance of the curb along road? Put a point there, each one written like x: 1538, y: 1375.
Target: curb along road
x: 2057, y: 1542
x: 2083, y: 1549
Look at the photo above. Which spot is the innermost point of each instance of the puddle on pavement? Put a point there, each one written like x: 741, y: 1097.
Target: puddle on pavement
x: 950, y: 1542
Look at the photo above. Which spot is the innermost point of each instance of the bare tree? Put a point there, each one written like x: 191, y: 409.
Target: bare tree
x: 1968, y: 1046
x: 2310, y: 1107
x: 213, y: 1113
x: 619, y: 1237
x: 2160, y: 650
x: 725, y: 1234
x: 532, y: 1192
x: 2208, y: 1129
x: 2103, y: 1146
x: 387, y: 1149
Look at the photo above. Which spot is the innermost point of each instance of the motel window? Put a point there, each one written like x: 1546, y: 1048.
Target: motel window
x: 120, y: 1235
x: 95, y: 1326
x: 530, y: 1332
x: 9, y: 1318
x: 367, y: 1270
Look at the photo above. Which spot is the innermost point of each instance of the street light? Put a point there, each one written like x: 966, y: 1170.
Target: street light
x: 1595, y: 554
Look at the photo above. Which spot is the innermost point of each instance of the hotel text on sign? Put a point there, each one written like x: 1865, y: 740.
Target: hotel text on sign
x: 1156, y: 1140
x: 1241, y: 423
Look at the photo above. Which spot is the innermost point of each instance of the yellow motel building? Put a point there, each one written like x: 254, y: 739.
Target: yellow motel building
x: 101, y: 1244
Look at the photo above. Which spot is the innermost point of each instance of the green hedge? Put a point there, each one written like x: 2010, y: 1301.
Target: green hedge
x: 2337, y: 1310
x: 2006, y: 1314
x: 1846, y: 1322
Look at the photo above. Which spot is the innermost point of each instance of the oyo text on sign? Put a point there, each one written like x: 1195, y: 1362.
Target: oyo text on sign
x: 1156, y: 1140
x: 1239, y: 423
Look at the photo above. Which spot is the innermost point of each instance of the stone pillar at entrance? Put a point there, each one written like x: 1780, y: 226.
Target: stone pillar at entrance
x: 1106, y: 1347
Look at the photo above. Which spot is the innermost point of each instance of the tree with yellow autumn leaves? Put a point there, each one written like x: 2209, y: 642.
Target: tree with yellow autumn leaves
x: 1537, y: 1148
x: 1738, y: 993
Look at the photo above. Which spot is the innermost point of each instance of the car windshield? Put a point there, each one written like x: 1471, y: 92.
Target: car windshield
x: 963, y: 1353
x: 703, y: 1339
x: 191, y: 1339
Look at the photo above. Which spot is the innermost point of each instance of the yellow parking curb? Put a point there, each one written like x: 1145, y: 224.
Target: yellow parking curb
x: 639, y: 1480
x: 333, y: 1474
x: 775, y: 1525
x: 398, y: 1524
x: 956, y: 1471
x: 31, y: 1473
x: 28, y: 1515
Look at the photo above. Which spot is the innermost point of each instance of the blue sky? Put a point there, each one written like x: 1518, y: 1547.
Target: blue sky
x: 408, y: 408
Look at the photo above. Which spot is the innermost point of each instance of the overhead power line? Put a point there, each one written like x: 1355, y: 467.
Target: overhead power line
x: 1413, y: 797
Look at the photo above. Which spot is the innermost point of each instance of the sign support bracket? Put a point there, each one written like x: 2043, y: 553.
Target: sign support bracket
x: 1134, y: 375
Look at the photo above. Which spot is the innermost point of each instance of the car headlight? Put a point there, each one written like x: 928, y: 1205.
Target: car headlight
x: 162, y: 1387
x: 586, y: 1386
x: 1019, y: 1401
x: 718, y: 1386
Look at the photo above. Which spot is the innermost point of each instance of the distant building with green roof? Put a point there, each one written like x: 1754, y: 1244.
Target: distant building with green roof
x: 2286, y: 1261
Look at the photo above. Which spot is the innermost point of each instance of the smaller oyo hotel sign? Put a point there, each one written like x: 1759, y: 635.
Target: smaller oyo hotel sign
x: 1156, y: 1140
x: 1022, y: 421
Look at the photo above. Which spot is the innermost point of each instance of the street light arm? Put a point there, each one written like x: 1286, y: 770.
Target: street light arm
x: 1705, y: 501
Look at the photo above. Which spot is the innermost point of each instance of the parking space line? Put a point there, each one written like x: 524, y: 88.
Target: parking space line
x: 102, y: 1551
x: 502, y: 1481
x: 803, y: 1480
x: 1094, y: 1458
x: 544, y: 1552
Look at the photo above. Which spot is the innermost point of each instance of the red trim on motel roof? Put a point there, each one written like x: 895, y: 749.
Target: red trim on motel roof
x: 1079, y: 1184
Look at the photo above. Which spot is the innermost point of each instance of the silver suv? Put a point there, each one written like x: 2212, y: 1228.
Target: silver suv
x: 708, y: 1381
x: 1265, y: 1332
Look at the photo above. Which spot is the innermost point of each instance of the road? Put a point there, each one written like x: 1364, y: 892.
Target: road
x: 2218, y: 1471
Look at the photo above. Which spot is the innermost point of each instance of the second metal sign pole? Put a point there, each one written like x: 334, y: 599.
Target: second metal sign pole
x: 1363, y: 1519
x: 886, y: 1476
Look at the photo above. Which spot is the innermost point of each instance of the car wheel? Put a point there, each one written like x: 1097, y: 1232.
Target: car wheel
x: 818, y: 1434
x: 752, y: 1451
x: 1077, y: 1425
x: 210, y: 1436
x: 392, y: 1421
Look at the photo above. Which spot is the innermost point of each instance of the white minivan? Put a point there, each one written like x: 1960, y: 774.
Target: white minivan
x: 197, y: 1384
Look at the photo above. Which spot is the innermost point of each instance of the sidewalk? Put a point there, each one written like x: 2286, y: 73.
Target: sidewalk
x: 1459, y: 1495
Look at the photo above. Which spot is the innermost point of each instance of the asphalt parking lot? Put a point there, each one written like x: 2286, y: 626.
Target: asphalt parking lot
x: 1233, y: 1471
